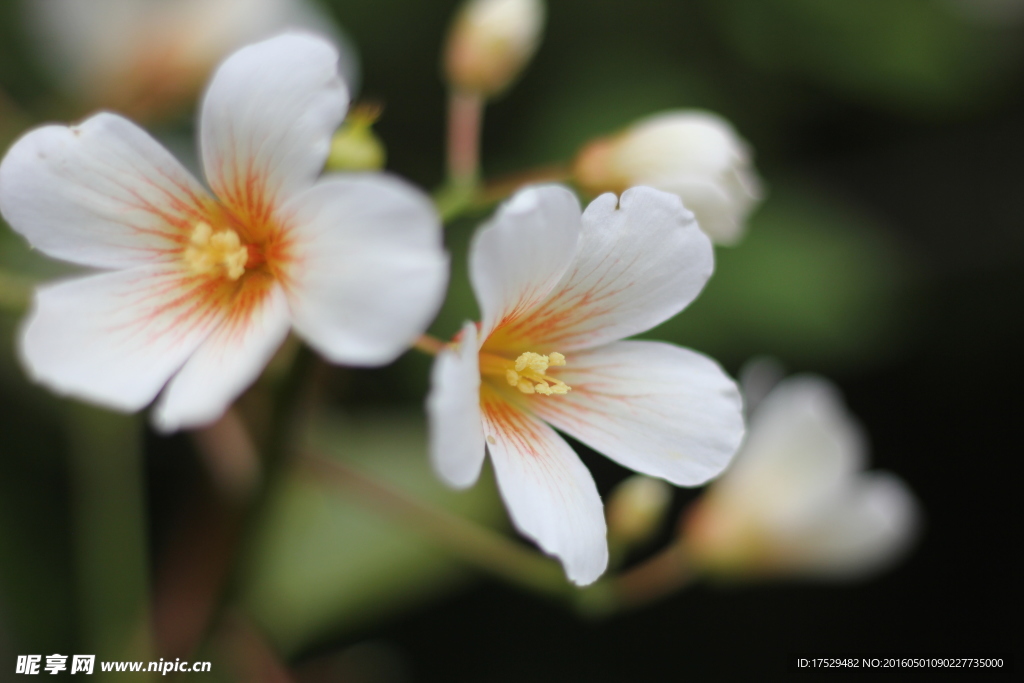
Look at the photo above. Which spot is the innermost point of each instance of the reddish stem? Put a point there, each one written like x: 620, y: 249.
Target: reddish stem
x: 465, y: 121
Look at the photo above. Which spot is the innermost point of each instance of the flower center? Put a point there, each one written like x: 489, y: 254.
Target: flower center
x: 210, y: 252
x: 528, y: 372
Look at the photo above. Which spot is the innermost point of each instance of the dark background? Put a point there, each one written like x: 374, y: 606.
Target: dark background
x: 890, y: 131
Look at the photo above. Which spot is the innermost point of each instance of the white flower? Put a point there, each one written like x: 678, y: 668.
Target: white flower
x: 795, y: 502
x: 145, y: 58
x: 201, y: 288
x: 696, y: 155
x: 558, y: 290
x: 491, y: 42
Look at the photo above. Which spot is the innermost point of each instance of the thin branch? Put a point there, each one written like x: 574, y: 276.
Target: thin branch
x: 477, y: 545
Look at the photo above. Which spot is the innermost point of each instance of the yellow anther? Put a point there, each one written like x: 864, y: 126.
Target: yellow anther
x: 529, y: 375
x: 209, y: 251
x: 533, y: 361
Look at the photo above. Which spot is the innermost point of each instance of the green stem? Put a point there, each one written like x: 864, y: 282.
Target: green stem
x: 658, y: 577
x: 474, y: 544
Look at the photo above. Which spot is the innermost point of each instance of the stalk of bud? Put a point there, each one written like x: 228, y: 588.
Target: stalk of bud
x: 491, y: 42
x: 693, y: 154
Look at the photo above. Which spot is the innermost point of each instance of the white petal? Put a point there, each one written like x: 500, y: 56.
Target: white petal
x: 102, y: 193
x: 369, y: 270
x: 267, y: 121
x: 456, y: 433
x: 115, y: 338
x: 225, y: 364
x: 802, y: 448
x: 637, y: 265
x: 860, y: 531
x: 655, y: 408
x: 549, y: 493
x: 523, y: 252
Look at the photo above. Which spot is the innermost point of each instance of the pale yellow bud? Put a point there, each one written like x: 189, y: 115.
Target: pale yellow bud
x: 695, y: 155
x: 355, y: 147
x: 636, y: 508
x: 491, y: 42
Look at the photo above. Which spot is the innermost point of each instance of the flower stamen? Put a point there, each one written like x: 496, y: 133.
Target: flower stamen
x: 529, y: 374
x: 210, y: 251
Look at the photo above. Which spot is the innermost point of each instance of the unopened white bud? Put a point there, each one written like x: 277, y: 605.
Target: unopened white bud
x: 491, y: 42
x: 636, y: 508
x: 693, y: 154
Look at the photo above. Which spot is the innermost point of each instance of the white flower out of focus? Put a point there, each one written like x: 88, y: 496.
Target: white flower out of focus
x: 491, y: 42
x: 197, y: 289
x: 693, y: 154
x: 559, y: 290
x: 796, y: 502
x: 148, y: 58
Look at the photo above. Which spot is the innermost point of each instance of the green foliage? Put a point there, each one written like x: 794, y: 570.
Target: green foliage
x: 913, y: 54
x: 812, y: 283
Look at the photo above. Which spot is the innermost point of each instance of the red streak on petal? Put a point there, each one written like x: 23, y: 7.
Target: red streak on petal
x: 256, y: 257
x: 510, y: 422
x: 565, y: 314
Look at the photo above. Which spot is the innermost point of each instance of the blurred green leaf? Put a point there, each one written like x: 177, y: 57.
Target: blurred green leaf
x: 813, y: 283
x: 325, y: 562
x: 587, y: 102
x: 905, y: 53
x: 16, y: 256
x: 38, y: 603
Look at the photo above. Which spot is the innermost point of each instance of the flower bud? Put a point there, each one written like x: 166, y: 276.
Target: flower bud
x: 636, y: 508
x: 693, y: 154
x: 355, y: 147
x: 491, y: 42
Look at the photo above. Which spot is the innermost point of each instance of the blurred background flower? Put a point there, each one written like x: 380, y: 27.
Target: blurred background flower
x: 794, y: 502
x: 148, y: 59
x: 887, y: 255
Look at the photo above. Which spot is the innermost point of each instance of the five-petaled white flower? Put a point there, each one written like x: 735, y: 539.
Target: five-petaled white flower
x: 200, y: 288
x: 558, y: 291
x: 795, y: 502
